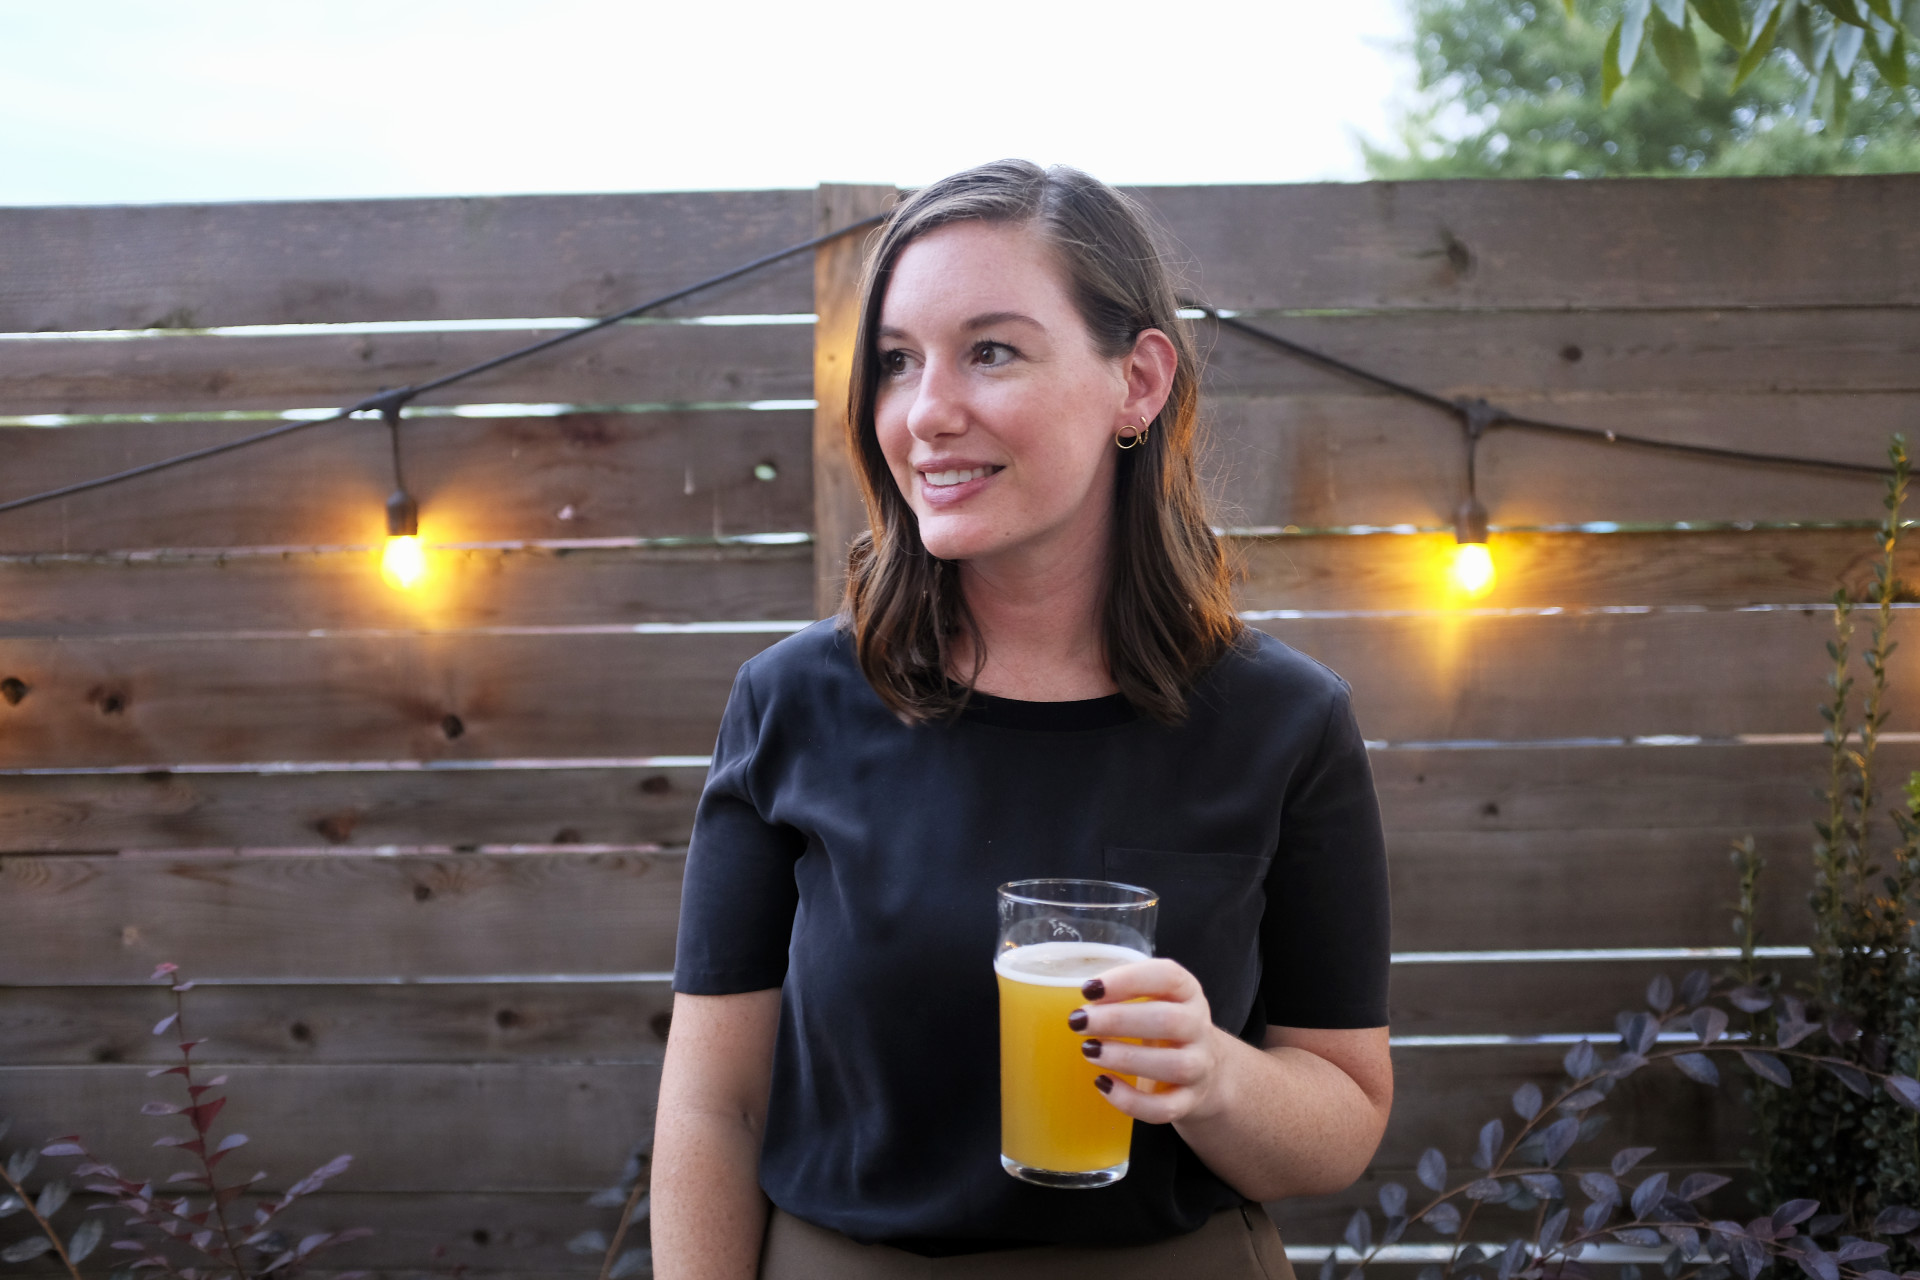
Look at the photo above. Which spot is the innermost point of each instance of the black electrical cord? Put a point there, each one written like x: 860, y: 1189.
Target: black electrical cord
x: 1477, y: 416
x: 389, y: 403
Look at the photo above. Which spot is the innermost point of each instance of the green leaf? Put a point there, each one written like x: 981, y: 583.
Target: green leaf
x: 1633, y: 33
x: 1679, y: 53
x: 1845, y: 10
x: 1846, y: 49
x: 1890, y: 59
x: 1610, y: 76
x: 1724, y: 18
x: 1884, y: 8
x: 85, y: 1237
x: 1763, y: 38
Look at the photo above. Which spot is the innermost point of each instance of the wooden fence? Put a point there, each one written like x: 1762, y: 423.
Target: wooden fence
x: 454, y: 963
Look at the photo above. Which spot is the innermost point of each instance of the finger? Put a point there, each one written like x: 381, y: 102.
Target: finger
x: 1174, y: 1066
x: 1153, y: 979
x: 1161, y: 1107
x: 1180, y: 1021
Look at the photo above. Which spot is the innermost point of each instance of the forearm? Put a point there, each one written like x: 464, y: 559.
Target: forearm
x: 1284, y: 1122
x: 708, y: 1212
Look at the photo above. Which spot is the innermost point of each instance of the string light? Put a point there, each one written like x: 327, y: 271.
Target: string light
x: 403, y: 563
x: 1470, y: 567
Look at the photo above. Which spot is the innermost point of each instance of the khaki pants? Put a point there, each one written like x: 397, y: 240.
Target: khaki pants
x: 1234, y: 1244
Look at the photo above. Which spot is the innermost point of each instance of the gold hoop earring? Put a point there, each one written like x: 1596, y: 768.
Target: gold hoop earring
x: 1130, y: 436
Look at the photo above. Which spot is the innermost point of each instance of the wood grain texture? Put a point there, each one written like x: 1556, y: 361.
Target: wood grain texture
x: 107, y: 919
x: 292, y: 1024
x: 464, y: 809
x: 446, y: 1127
x: 594, y: 1021
x: 625, y: 364
x: 187, y: 266
x: 1702, y: 789
x: 1548, y: 244
x: 388, y: 696
x: 839, y: 510
x: 1578, y: 352
x: 367, y: 696
x: 551, y: 1126
x: 1338, y: 460
x: 587, y: 475
x: 1541, y: 570
x: 342, y: 590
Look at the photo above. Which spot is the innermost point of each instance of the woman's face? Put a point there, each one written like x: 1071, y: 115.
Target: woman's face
x: 995, y: 412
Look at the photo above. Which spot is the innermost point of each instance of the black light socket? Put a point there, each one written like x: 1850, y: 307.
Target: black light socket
x: 403, y: 515
x: 1470, y: 522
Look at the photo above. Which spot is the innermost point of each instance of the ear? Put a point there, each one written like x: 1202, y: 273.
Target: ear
x: 1148, y: 371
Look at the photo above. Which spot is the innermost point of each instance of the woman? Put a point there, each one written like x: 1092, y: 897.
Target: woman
x: 1037, y: 672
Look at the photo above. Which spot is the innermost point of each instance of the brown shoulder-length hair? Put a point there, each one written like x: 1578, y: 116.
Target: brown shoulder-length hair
x: 1168, y: 607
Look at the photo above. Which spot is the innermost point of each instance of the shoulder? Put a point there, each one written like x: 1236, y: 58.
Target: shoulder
x: 812, y: 668
x: 1261, y: 671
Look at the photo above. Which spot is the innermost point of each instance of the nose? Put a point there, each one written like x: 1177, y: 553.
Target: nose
x: 939, y: 402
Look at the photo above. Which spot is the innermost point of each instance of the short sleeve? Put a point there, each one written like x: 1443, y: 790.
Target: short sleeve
x: 738, y: 898
x: 1324, y: 936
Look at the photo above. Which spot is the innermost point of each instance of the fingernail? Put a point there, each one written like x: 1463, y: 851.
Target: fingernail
x: 1077, y: 1020
x: 1103, y: 1083
x: 1093, y: 989
x: 1090, y: 1047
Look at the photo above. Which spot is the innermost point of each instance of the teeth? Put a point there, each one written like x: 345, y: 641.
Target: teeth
x: 942, y: 479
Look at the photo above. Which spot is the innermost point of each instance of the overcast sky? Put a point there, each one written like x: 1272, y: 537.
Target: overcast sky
x: 118, y: 101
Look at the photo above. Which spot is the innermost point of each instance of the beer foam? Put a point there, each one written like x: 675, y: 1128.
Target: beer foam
x: 1062, y: 964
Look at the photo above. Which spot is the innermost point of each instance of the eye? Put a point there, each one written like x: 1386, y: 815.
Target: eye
x: 992, y: 354
x: 893, y: 363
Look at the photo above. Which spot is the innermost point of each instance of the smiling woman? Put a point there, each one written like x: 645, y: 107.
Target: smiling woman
x: 1037, y: 673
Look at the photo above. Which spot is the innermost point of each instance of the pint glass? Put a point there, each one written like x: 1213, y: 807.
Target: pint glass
x: 1056, y: 1129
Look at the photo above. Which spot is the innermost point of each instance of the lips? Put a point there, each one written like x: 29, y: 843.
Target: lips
x: 944, y: 479
x: 951, y: 484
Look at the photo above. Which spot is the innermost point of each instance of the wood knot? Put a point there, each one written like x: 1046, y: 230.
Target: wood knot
x: 660, y: 1024
x: 452, y: 726
x: 1490, y: 810
x: 568, y: 835
x: 107, y: 1053
x: 506, y: 1019
x: 111, y: 702
x: 481, y: 1238
x: 658, y: 785
x: 421, y: 893
x: 13, y: 689
x: 1571, y: 354
x: 300, y: 1032
x: 338, y: 827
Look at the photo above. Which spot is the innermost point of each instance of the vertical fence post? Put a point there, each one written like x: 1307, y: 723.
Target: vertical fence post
x: 838, y: 513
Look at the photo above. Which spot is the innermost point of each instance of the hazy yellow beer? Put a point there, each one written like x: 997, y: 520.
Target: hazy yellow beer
x: 1056, y: 1128
x: 1051, y: 1116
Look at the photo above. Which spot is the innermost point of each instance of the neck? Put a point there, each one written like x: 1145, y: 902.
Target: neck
x: 1040, y: 619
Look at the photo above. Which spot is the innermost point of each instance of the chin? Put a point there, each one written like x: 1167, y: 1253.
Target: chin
x: 944, y: 541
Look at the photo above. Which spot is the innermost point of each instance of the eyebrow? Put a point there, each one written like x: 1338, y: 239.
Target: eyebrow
x: 985, y: 320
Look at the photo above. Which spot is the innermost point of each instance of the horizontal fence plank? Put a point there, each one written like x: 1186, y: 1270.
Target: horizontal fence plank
x: 588, y: 1021
x: 108, y: 919
x: 280, y: 1024
x: 1580, y: 352
x: 624, y: 364
x: 535, y: 586
x: 1540, y: 570
x: 300, y: 262
x: 1333, y: 461
x: 635, y: 805
x: 366, y: 696
x: 1841, y: 241
x: 1697, y: 788
x: 493, y: 1127
x: 387, y: 696
x: 473, y: 1127
x: 585, y: 475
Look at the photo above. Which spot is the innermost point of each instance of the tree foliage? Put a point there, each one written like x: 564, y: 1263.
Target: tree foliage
x: 1610, y: 88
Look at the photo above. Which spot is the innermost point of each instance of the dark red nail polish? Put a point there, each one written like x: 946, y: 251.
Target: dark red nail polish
x: 1090, y: 1047
x: 1103, y: 1083
x: 1077, y: 1020
x: 1093, y: 988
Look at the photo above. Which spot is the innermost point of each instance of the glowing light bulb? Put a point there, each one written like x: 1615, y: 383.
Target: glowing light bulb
x: 1472, y: 569
x: 403, y: 563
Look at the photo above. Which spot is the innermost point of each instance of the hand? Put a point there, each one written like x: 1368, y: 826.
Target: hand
x: 1182, y: 1053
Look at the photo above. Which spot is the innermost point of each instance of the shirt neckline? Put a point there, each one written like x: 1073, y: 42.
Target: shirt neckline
x: 1074, y: 716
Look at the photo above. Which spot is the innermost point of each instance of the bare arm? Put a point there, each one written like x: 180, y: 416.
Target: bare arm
x: 709, y: 1214
x: 1301, y: 1116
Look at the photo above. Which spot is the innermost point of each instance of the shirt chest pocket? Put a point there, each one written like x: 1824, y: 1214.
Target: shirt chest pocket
x: 1210, y: 910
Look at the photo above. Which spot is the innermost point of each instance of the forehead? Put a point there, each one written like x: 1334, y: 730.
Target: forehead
x: 974, y: 268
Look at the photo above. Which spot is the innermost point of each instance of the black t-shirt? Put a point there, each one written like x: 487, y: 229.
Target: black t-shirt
x: 853, y: 860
